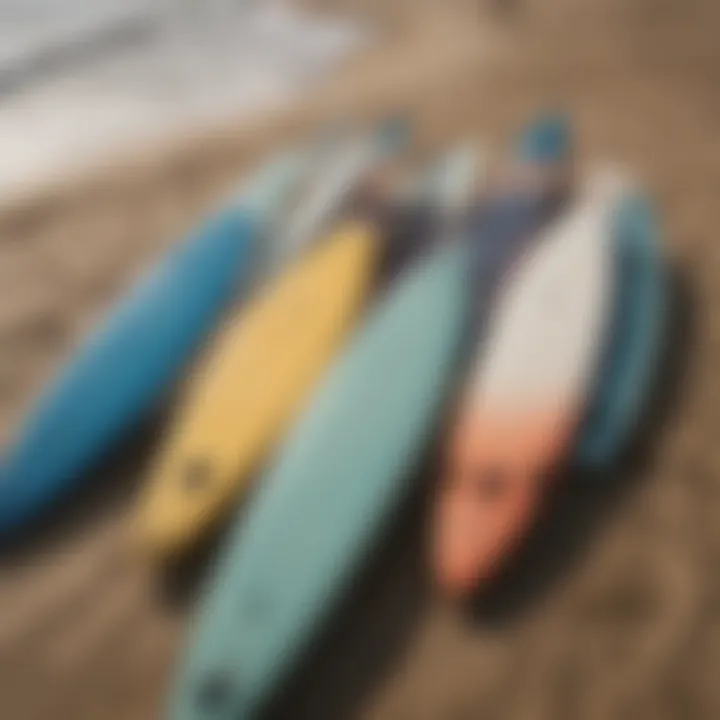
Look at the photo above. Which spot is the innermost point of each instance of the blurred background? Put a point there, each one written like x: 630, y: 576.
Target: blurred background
x: 123, y: 121
x: 80, y: 80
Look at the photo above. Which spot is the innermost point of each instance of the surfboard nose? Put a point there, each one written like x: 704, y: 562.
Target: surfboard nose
x: 454, y: 573
x: 455, y: 560
x: 485, y: 508
x: 474, y: 537
x: 546, y: 139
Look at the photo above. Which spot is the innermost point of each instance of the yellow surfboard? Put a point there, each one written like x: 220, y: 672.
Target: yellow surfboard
x: 250, y: 387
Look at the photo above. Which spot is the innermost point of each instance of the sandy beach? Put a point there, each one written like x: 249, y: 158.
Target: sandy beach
x: 613, y: 611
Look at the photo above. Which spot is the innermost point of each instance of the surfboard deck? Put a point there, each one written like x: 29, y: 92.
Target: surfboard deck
x: 131, y: 359
x: 526, y: 393
x: 251, y: 386
x: 331, y: 490
x: 637, y: 335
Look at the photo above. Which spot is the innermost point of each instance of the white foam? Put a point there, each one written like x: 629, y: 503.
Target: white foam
x: 183, y: 63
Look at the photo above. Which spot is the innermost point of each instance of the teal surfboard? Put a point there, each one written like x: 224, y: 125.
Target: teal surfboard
x: 332, y: 489
x: 636, y: 335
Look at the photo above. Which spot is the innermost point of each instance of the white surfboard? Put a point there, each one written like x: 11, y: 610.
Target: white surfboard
x: 528, y: 389
x: 543, y: 340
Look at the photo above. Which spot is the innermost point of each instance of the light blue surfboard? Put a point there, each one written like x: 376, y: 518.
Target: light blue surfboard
x: 332, y: 489
x: 125, y: 366
x: 636, y: 339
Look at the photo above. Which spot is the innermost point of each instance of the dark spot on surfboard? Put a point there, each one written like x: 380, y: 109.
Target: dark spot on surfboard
x: 196, y: 475
x: 215, y: 693
x: 491, y: 484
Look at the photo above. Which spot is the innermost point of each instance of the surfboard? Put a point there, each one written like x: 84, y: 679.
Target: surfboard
x: 124, y: 367
x: 451, y: 180
x: 527, y: 391
x: 637, y: 335
x: 251, y: 386
x: 412, y: 219
x: 331, y: 490
x: 340, y: 166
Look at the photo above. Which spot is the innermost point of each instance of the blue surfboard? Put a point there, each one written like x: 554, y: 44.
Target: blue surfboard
x: 636, y: 338
x: 332, y: 489
x: 127, y: 364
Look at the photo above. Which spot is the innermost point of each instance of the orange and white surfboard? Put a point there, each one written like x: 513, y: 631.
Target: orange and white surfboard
x: 527, y: 390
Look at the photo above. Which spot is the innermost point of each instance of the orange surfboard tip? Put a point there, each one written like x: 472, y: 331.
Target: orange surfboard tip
x: 477, y: 526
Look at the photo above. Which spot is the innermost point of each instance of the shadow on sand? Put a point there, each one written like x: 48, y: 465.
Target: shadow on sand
x: 110, y: 485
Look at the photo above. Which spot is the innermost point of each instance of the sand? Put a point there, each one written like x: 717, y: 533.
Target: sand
x: 613, y: 610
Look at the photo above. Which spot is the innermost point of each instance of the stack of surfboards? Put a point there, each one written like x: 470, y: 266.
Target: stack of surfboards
x: 256, y: 379
x: 124, y: 368
x: 552, y: 331
x: 330, y: 491
x: 326, y: 387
